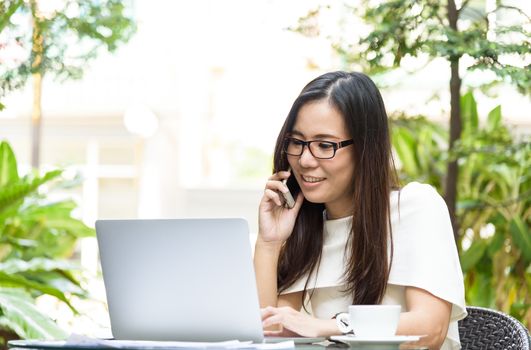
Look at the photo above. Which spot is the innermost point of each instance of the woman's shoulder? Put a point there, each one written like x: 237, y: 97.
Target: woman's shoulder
x: 418, y: 190
x: 417, y: 202
x: 418, y: 195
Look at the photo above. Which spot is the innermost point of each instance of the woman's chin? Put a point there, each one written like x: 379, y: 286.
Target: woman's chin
x: 314, y: 199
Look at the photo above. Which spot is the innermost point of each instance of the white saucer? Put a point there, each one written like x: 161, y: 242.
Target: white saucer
x: 375, y: 342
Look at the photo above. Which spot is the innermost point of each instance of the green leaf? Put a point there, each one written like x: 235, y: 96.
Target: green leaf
x: 17, y: 266
x: 19, y: 242
x: 469, y: 114
x: 72, y: 225
x: 8, y: 165
x: 41, y: 214
x: 404, y: 144
x: 504, y: 175
x: 494, y: 119
x: 468, y: 203
x: 18, y: 190
x: 15, y: 193
x: 57, y: 216
x: 53, y: 273
x: 424, y: 148
x: 496, y: 243
x: 481, y: 293
x: 59, y: 279
x: 472, y: 255
x: 519, y: 309
x: 19, y: 281
x: 521, y: 237
x: 21, y: 316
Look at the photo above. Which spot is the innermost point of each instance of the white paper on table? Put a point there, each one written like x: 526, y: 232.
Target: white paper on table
x: 83, y: 341
x: 288, y: 344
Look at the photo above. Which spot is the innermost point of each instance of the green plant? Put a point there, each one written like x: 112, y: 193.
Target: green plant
x: 493, y: 203
x: 36, y: 237
x: 419, y: 144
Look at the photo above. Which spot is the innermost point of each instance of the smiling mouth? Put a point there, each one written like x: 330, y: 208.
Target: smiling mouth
x: 312, y: 179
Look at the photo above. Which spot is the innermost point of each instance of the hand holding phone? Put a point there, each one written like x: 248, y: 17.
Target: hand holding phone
x: 289, y: 202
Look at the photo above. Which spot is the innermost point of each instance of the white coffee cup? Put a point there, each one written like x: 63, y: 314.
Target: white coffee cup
x: 374, y: 320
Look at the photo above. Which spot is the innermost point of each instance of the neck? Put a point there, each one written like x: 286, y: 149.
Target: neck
x: 337, y: 213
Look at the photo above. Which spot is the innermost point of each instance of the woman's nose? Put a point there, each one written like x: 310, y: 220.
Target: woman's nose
x: 306, y: 159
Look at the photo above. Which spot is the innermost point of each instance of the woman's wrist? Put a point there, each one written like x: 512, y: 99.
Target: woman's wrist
x: 267, y: 253
x: 328, y: 328
x: 268, y: 245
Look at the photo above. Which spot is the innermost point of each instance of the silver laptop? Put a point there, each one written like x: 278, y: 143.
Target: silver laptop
x: 179, y: 279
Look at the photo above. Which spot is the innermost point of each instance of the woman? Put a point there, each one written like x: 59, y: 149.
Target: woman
x: 352, y: 236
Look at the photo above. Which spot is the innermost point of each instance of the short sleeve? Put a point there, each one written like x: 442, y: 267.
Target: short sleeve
x: 424, y: 250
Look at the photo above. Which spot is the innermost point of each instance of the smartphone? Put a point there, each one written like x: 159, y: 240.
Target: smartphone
x: 289, y: 202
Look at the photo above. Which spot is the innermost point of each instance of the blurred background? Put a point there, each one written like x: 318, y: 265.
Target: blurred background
x: 164, y: 109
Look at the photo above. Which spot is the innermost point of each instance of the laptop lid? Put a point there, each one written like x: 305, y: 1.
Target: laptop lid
x: 179, y: 279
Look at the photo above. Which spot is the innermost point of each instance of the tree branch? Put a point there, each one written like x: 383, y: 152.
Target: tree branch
x: 437, y: 15
x: 4, y: 19
x: 512, y: 8
x: 463, y: 5
x: 440, y: 19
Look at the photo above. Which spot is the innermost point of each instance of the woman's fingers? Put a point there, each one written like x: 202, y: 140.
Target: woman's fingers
x: 291, y: 321
x: 277, y: 186
x: 282, y: 333
x: 275, y: 315
x: 273, y: 320
x: 267, y: 311
x: 281, y: 175
x: 274, y: 333
x: 273, y: 196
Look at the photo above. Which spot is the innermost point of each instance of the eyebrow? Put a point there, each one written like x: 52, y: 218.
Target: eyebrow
x: 318, y: 136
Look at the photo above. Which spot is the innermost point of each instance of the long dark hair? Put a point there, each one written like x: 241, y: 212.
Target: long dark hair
x: 368, y: 264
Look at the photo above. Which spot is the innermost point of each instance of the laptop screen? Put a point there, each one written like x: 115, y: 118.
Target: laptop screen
x: 179, y: 279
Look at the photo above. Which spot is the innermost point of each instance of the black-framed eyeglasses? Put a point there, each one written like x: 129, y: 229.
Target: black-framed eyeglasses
x: 319, y: 149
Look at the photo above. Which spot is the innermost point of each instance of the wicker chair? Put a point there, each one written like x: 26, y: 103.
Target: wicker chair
x: 489, y: 329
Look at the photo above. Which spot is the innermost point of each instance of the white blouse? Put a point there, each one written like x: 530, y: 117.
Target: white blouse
x: 424, y: 256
